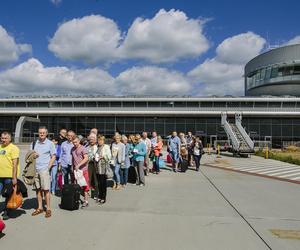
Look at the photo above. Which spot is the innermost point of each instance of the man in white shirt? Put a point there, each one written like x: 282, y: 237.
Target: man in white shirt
x: 147, y: 141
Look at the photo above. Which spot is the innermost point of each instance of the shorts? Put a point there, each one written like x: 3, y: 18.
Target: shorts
x: 174, y: 156
x: 42, y: 180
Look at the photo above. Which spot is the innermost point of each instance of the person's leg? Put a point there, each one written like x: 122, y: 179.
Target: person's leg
x: 99, y: 186
x: 125, y: 176
x: 141, y: 172
x: 65, y: 173
x: 196, y: 158
x: 136, y: 168
x: 117, y: 173
x: 47, y: 199
x: 53, y: 179
x: 102, y: 179
x: 3, y: 182
x: 122, y: 176
x: 157, y: 164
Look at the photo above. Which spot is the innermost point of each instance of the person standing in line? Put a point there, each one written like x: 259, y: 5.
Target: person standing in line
x: 9, y: 165
x: 45, y: 155
x: 147, y: 141
x: 103, y: 163
x: 197, y: 151
x: 153, y: 143
x: 93, y: 165
x: 65, y: 158
x: 174, y: 150
x: 139, y: 153
x: 157, y: 153
x: 118, y: 159
x: 189, y: 142
x: 62, y: 136
x: 80, y: 162
x: 54, y: 168
x: 124, y: 169
x: 94, y: 131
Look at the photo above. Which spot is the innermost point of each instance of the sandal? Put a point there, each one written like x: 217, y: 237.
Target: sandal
x: 48, y: 214
x: 37, y: 212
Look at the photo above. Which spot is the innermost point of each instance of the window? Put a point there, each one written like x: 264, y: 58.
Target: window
x: 66, y: 104
x: 115, y: 104
x: 43, y: 104
x: 51, y: 104
x: 274, y: 72
x: 233, y: 104
x: 206, y: 104
x: 21, y: 104
x: 140, y: 104
x: 10, y: 104
x: 180, y: 104
x: 32, y: 104
x: 103, y: 104
x: 91, y: 104
x: 220, y: 104
x: 167, y: 104
x: 288, y: 104
x: 128, y: 104
x: 274, y: 104
x: 262, y: 74
x: 154, y: 104
x: 247, y: 104
x: 192, y: 104
x: 297, y: 70
x: 79, y: 104
x: 268, y: 73
x: 261, y: 104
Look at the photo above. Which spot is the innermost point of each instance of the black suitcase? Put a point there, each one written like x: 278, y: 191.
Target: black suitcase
x: 70, y: 197
x: 184, y: 164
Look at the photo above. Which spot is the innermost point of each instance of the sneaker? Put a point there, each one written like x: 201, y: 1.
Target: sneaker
x: 5, y: 216
x: 142, y: 185
x: 84, y: 204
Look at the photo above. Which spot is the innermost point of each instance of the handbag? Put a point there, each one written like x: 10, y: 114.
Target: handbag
x: 109, y: 172
x: 15, y: 200
x: 80, y: 178
x: 60, y: 180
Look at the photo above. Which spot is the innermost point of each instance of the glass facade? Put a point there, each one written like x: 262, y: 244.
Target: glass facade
x: 280, y: 129
x: 272, y: 74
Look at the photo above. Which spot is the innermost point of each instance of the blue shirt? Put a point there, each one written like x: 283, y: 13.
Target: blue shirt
x: 65, y: 154
x: 45, y: 150
x: 174, y: 144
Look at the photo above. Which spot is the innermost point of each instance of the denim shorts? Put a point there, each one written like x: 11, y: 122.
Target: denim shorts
x: 174, y: 156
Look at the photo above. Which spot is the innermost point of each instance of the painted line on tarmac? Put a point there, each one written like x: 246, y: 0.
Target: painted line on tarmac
x: 236, y: 210
x: 254, y: 174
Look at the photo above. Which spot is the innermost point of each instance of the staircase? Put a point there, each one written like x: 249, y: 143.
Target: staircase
x: 240, y: 140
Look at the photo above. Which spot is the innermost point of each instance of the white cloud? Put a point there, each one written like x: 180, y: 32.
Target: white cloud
x: 295, y: 40
x: 9, y: 49
x: 241, y: 48
x: 167, y: 37
x: 218, y: 78
x: 32, y: 77
x: 223, y: 75
x: 152, y: 81
x: 91, y: 39
x: 56, y: 2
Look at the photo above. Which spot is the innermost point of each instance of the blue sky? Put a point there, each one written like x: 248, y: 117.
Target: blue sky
x: 174, y: 47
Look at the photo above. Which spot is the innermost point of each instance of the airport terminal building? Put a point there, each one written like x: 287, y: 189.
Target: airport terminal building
x: 275, y: 118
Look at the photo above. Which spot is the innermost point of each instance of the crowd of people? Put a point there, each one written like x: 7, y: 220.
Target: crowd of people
x: 70, y: 158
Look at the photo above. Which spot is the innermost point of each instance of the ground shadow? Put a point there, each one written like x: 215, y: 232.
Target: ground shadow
x: 2, y: 235
x: 29, y: 204
x: 13, y: 214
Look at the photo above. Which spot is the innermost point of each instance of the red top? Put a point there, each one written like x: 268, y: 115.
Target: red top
x: 158, y: 147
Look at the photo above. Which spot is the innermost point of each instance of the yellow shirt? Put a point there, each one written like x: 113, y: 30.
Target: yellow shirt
x: 7, y: 154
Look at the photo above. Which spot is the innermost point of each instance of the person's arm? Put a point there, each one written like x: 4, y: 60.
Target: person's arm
x: 84, y: 161
x: 15, y: 163
x: 52, y: 160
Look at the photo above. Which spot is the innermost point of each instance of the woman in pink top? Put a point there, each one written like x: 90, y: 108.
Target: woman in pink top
x: 80, y: 161
x: 157, y: 153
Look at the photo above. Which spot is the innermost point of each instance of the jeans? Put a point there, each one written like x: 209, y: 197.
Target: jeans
x: 124, y: 176
x: 117, y: 173
x: 67, y: 170
x: 197, y: 159
x: 53, y: 174
x: 3, y: 182
x: 156, y: 164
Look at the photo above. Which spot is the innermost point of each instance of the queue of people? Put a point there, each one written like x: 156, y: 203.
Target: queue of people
x: 68, y: 157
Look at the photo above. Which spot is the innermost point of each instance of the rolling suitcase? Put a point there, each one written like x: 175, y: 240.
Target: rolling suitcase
x: 184, y: 164
x: 70, y: 197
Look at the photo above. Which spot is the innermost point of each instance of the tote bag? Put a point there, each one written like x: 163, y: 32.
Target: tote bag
x: 15, y: 200
x: 80, y: 178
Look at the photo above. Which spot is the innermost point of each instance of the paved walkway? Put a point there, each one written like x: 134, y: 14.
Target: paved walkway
x: 256, y: 166
x: 211, y: 209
